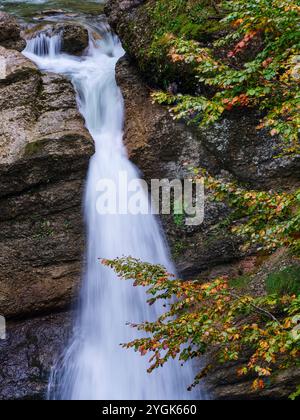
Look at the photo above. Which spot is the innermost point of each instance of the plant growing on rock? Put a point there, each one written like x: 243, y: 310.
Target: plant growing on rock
x: 266, y: 219
x: 256, y: 64
x: 213, y: 319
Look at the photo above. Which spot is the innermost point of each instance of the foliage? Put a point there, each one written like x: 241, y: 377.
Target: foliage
x: 295, y: 394
x: 256, y: 64
x: 265, y: 218
x: 213, y: 319
x: 218, y: 318
x: 286, y: 281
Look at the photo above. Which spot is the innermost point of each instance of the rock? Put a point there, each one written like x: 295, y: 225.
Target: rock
x: 223, y: 383
x: 249, y: 154
x: 10, y: 32
x: 75, y: 38
x: 113, y: 7
x: 14, y: 66
x: 44, y: 154
x: 28, y: 354
x: 163, y: 148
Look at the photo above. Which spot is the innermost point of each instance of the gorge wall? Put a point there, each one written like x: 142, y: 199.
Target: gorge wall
x: 44, y: 154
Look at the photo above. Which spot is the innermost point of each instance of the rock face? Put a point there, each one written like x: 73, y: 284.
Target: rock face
x: 10, y: 32
x: 162, y: 148
x: 28, y: 353
x: 44, y: 153
x: 231, y: 387
x: 250, y: 155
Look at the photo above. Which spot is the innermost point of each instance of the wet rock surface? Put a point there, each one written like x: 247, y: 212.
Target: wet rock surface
x: 75, y: 38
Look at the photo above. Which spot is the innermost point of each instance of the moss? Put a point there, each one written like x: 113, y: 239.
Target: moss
x: 192, y: 19
x: 33, y: 148
x: 285, y: 281
x: 240, y: 282
x: 177, y: 249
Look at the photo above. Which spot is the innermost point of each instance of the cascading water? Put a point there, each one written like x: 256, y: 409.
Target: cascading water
x: 44, y: 45
x: 94, y: 366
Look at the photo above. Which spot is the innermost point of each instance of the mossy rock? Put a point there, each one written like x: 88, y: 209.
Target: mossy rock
x: 33, y: 148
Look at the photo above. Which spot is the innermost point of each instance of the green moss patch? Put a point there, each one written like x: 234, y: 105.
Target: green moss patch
x: 286, y: 281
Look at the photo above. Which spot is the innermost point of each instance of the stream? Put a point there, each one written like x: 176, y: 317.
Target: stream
x: 94, y: 366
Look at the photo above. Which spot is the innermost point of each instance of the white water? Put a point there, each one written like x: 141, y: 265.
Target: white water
x: 94, y: 366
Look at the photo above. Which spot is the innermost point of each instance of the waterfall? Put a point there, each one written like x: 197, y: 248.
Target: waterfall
x: 44, y: 45
x: 94, y: 366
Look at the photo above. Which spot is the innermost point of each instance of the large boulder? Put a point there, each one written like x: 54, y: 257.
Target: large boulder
x: 44, y: 154
x: 10, y: 32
